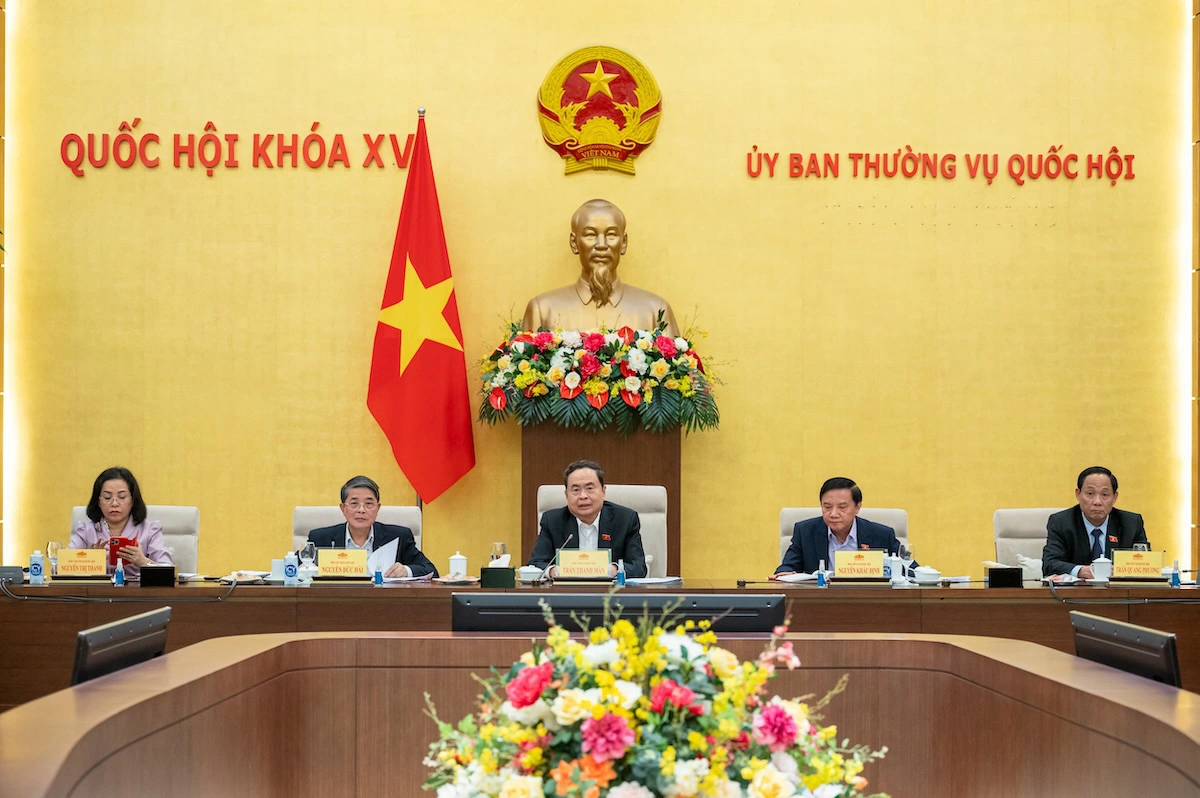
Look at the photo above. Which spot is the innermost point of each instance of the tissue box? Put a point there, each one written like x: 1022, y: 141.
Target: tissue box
x: 497, y: 577
x: 158, y: 576
x: 1005, y: 577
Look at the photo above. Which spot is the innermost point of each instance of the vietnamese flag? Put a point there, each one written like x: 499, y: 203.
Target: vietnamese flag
x: 418, y: 388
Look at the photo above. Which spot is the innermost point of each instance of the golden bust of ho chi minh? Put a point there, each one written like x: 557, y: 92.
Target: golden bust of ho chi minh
x: 599, y: 298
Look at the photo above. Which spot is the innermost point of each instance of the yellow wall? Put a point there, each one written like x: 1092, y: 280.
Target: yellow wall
x: 955, y: 347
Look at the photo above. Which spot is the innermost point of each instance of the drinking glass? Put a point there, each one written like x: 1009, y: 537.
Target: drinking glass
x: 1141, y: 547
x: 906, y: 557
x: 499, y: 550
x: 308, y: 554
x: 52, y: 549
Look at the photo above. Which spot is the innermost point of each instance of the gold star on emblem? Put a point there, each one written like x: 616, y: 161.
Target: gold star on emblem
x: 418, y: 316
x: 599, y: 80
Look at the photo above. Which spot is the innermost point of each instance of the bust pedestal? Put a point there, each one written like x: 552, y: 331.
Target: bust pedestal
x: 644, y: 458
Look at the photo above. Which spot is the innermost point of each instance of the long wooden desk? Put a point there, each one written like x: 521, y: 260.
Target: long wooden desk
x: 39, y: 636
x: 340, y: 714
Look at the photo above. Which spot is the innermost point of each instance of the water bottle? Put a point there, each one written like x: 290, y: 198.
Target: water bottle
x: 291, y: 570
x: 1175, y: 580
x: 119, y: 573
x: 377, y: 578
x: 887, y: 567
x: 621, y: 573
x: 822, y: 580
x: 37, y: 568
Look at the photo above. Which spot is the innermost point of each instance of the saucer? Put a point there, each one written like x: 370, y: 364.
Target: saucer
x: 1097, y: 582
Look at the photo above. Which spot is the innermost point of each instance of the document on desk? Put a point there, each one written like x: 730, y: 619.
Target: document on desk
x: 646, y: 581
x: 799, y: 577
x: 425, y: 578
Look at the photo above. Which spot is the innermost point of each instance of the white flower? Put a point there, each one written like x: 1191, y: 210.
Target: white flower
x: 603, y: 654
x: 611, y: 338
x: 499, y: 381
x: 572, y: 380
x: 687, y: 777
x: 574, y: 705
x: 645, y: 335
x: 783, y: 762
x: 637, y: 360
x: 560, y: 359
x: 682, y: 345
x: 728, y: 789
x: 519, y: 347
x: 630, y: 693
x: 680, y: 648
x: 828, y: 791
x: 522, y: 787
x: 571, y: 339
x: 633, y: 384
x: 724, y: 663
x: 532, y: 715
x: 626, y: 789
x: 770, y: 783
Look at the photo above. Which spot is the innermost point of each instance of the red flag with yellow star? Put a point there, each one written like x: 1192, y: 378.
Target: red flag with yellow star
x: 418, y: 389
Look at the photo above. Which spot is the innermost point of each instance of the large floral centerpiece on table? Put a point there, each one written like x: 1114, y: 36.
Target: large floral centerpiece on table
x: 634, y: 711
x: 593, y: 379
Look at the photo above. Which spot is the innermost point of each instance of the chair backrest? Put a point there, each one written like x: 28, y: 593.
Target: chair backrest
x: 306, y: 519
x: 650, y: 502
x: 888, y: 516
x: 1021, y: 530
x: 181, y: 532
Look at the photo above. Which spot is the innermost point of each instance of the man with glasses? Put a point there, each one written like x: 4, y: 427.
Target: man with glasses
x: 360, y: 505
x: 588, y: 522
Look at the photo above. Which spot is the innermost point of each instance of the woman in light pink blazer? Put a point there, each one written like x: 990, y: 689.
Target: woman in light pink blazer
x: 116, y: 509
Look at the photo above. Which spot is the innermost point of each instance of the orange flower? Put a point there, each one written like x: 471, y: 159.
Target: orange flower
x: 600, y: 772
x: 562, y: 776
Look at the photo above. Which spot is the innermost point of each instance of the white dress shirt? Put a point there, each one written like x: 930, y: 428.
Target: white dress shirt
x: 589, y: 534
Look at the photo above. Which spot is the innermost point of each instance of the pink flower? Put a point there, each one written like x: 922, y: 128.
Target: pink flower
x: 593, y: 341
x: 774, y: 727
x: 665, y: 345
x: 676, y: 694
x: 588, y: 365
x: 543, y: 339
x: 528, y: 685
x: 608, y: 737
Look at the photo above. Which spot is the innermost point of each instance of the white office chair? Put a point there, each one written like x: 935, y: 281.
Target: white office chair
x: 888, y: 516
x: 1021, y: 531
x: 650, y: 502
x: 306, y: 519
x: 181, y: 532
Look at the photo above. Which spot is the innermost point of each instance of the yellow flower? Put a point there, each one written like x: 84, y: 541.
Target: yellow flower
x: 770, y: 783
x: 659, y: 369
x: 555, y: 375
x: 605, y: 370
x: 503, y: 363
x: 599, y: 635
x: 572, y: 706
x: 828, y: 733
x: 522, y: 787
x: 696, y: 741
x: 487, y: 760
x: 532, y: 758
x: 724, y: 663
x: 668, y: 760
x: 671, y: 384
x: 643, y: 344
x: 523, y: 367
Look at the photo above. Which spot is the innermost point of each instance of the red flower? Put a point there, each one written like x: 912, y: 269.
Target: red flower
x: 497, y: 399
x: 665, y: 345
x: 598, y: 400
x: 626, y: 371
x: 670, y: 691
x: 699, y: 362
x: 588, y: 365
x: 528, y: 685
x: 524, y: 338
x: 632, y: 399
x: 626, y: 335
x: 569, y: 393
x: 593, y: 341
x: 543, y: 339
x: 741, y: 742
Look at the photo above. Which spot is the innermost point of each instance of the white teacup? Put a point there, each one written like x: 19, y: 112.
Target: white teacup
x: 529, y: 573
x: 926, y: 575
x: 277, y: 569
x: 1102, y: 569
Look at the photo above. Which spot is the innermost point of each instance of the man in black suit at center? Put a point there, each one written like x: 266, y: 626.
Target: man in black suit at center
x: 1090, y: 529
x: 839, y: 528
x: 360, y: 505
x: 589, y: 522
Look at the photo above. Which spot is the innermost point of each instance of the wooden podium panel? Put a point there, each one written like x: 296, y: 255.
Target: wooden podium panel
x: 644, y: 458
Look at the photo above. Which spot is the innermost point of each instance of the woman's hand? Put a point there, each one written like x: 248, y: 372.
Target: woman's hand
x: 134, y: 555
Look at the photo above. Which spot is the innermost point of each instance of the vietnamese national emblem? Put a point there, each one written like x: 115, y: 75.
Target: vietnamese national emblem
x: 599, y: 109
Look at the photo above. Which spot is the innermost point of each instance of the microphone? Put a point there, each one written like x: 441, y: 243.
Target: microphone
x: 554, y: 559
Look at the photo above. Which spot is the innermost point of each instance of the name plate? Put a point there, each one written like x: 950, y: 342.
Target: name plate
x: 858, y: 563
x: 1146, y: 564
x: 573, y: 563
x: 82, y: 562
x: 342, y: 562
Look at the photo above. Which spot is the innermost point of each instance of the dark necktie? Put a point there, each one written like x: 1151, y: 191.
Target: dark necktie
x: 1097, y: 549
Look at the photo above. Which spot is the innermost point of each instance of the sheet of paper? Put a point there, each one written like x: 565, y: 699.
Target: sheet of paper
x: 424, y: 578
x: 1061, y: 579
x: 501, y: 561
x: 798, y: 578
x: 383, y: 557
x: 956, y: 579
x: 654, y: 580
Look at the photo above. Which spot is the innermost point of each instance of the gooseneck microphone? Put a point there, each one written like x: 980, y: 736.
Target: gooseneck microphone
x: 554, y: 559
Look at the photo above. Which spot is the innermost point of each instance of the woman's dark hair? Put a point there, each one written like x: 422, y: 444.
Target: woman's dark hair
x: 117, y: 472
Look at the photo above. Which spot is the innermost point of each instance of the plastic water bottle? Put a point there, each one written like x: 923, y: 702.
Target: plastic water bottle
x: 119, y: 573
x: 377, y: 578
x: 621, y: 573
x: 1175, y: 580
x: 822, y: 580
x: 291, y: 570
x: 37, y: 568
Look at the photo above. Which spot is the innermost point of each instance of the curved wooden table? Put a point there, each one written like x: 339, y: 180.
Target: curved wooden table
x: 342, y: 714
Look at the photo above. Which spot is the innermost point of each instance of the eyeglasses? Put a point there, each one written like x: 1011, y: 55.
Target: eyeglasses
x: 357, y: 505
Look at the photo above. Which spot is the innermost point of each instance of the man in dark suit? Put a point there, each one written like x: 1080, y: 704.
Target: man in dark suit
x: 360, y: 505
x: 589, y: 522
x: 838, y: 529
x: 1091, y: 529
